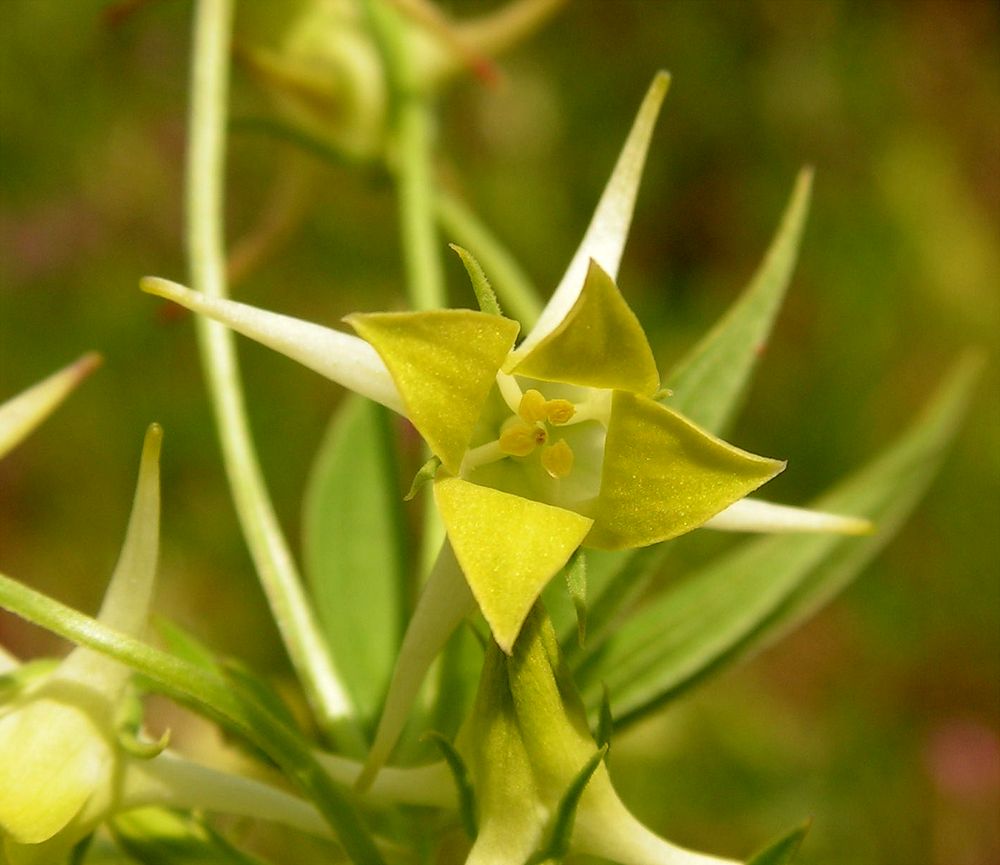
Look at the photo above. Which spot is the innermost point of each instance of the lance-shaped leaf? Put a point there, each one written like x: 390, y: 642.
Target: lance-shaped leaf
x: 604, y: 240
x: 663, y: 476
x: 709, y: 382
x: 444, y: 363
x: 340, y: 357
x: 22, y: 413
x: 509, y: 547
x: 599, y: 343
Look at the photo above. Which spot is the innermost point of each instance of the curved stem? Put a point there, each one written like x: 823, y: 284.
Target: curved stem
x: 205, y: 248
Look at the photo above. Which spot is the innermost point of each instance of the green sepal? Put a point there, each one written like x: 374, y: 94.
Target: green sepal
x: 462, y: 778
x: 485, y: 296
x: 663, y: 476
x: 424, y: 475
x: 444, y: 363
x: 784, y: 850
x: 599, y: 343
x: 556, y: 846
x: 508, y: 547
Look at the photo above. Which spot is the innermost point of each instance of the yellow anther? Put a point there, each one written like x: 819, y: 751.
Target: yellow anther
x: 557, y: 460
x: 559, y: 411
x: 533, y: 407
x: 520, y: 439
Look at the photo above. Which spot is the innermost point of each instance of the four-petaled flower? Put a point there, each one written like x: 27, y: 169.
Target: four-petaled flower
x: 545, y: 446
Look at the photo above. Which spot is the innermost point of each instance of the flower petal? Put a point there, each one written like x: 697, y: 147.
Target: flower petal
x: 509, y: 547
x: 340, y: 357
x: 22, y: 413
x: 444, y: 363
x: 608, y: 229
x: 663, y: 476
x: 753, y: 515
x: 599, y: 343
x: 52, y: 759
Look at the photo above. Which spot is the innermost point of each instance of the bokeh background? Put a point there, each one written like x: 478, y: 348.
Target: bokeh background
x: 879, y: 719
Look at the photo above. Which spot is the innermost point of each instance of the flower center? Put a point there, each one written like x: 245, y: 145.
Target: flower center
x: 534, y: 425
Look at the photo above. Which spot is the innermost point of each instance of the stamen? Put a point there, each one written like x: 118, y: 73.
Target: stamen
x: 520, y: 439
x: 557, y: 460
x: 533, y: 407
x: 559, y: 411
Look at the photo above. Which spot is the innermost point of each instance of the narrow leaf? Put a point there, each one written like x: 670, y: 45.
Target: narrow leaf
x: 556, y: 845
x: 354, y: 549
x: 709, y: 383
x: 576, y: 585
x: 605, y: 720
x: 784, y: 850
x: 156, y: 836
x: 463, y: 781
x: 750, y: 597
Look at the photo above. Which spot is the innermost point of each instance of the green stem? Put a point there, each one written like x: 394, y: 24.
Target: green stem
x: 205, y: 247
x: 513, y: 286
x: 413, y: 160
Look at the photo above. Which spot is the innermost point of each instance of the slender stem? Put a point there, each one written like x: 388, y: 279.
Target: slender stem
x: 413, y: 159
x: 421, y: 253
x: 204, y: 234
x: 513, y: 286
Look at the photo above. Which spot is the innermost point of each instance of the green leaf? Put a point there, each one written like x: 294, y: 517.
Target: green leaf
x: 354, y: 549
x: 757, y: 593
x: 156, y: 836
x: 556, y: 845
x: 784, y: 850
x: 576, y: 585
x: 709, y: 383
x: 463, y: 781
x: 605, y: 720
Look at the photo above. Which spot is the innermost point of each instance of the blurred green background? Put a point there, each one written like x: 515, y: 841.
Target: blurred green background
x: 879, y: 719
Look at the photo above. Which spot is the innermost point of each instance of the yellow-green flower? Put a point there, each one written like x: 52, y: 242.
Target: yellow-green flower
x: 544, y: 446
x: 560, y: 441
